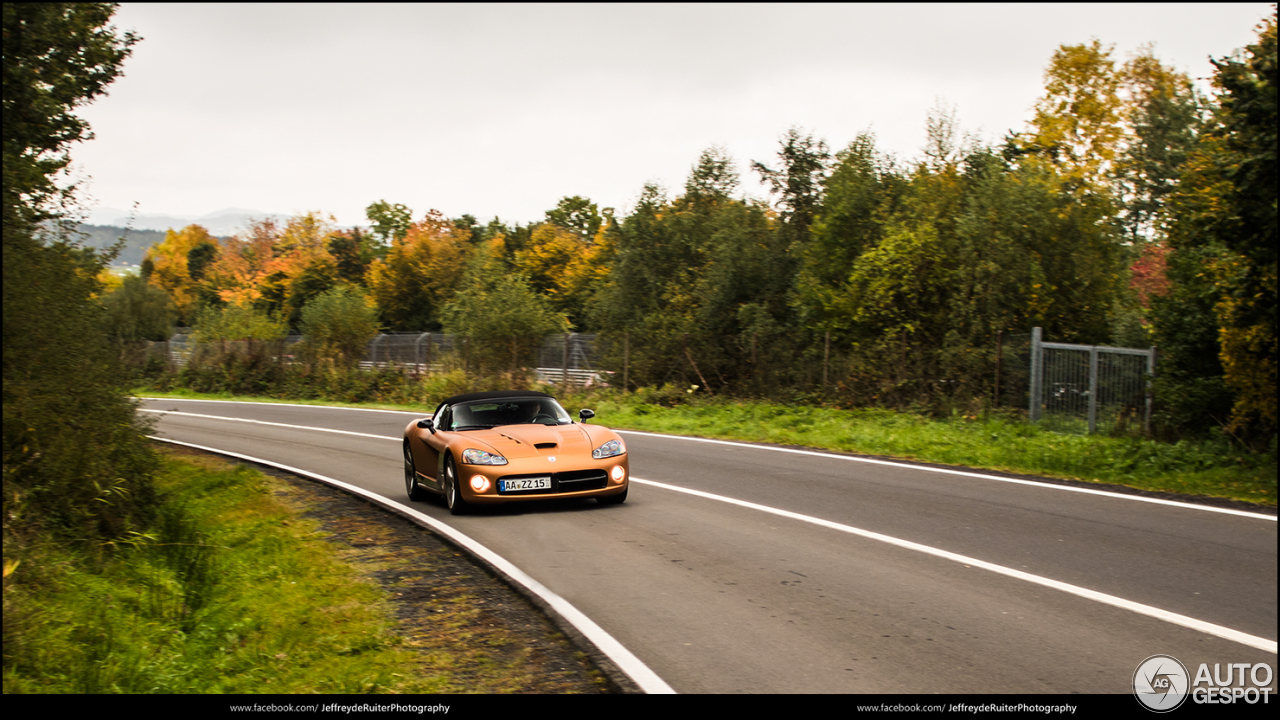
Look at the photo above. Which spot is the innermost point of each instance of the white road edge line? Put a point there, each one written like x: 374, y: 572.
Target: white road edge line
x: 1154, y: 612
x: 962, y: 473
x: 1148, y: 610
x: 300, y: 405
x: 264, y: 422
x: 647, y: 679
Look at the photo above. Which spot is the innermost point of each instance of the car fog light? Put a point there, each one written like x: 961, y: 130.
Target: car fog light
x: 618, y: 473
x: 480, y: 483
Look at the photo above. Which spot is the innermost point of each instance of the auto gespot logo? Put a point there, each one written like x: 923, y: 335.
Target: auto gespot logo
x: 1161, y: 683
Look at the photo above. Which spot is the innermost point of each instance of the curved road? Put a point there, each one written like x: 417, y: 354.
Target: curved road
x: 736, y: 568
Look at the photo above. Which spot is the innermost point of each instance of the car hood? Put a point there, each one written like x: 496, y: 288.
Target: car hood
x: 517, y: 441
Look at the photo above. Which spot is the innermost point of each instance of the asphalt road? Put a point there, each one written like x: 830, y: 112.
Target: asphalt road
x: 738, y: 568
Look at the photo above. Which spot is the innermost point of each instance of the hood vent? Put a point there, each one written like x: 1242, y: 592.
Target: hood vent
x: 544, y: 446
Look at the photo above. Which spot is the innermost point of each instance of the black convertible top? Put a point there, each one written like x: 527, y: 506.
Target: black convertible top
x: 494, y: 394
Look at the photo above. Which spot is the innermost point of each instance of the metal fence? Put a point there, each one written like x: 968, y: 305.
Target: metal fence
x: 1089, y: 387
x: 561, y: 358
x: 1074, y: 388
x: 421, y: 352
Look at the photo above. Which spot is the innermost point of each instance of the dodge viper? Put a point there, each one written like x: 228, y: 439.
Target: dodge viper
x: 512, y: 446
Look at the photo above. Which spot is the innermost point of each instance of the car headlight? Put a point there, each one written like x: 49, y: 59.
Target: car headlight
x: 609, y: 449
x: 471, y: 456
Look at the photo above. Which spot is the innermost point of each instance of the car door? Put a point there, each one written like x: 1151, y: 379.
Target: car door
x: 426, y: 452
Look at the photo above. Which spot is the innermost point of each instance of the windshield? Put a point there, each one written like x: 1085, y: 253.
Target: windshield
x: 486, y: 414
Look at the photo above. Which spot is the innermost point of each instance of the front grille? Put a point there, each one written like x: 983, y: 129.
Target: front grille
x: 571, y: 481
x: 580, y: 480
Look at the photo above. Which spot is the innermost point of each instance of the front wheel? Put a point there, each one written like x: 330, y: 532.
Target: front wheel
x: 453, y: 493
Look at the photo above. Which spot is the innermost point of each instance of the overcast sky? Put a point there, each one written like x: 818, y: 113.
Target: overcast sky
x: 501, y: 110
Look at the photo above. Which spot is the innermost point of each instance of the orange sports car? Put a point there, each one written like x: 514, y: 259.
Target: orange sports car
x: 511, y: 446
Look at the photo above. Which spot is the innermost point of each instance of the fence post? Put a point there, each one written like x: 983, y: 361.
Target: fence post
x: 626, y: 360
x: 826, y: 359
x: 995, y: 403
x: 1151, y: 373
x: 1093, y: 389
x: 1037, y: 370
x: 564, y: 371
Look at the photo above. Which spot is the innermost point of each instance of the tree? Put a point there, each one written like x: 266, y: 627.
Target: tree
x: 237, y: 275
x: 200, y: 257
x: 498, y: 314
x: 169, y: 269
x: 354, y: 251
x: 390, y: 222
x: 1163, y: 116
x: 860, y: 195
x: 57, y: 57
x: 578, y: 215
x: 339, y: 324
x: 1079, y: 121
x: 798, y: 182
x: 138, y: 310
x: 75, y: 457
x: 420, y: 273
x: 1225, y: 227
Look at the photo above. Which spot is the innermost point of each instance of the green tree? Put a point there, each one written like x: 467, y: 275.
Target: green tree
x: 390, y: 222
x: 1163, y: 117
x: 498, y: 315
x: 1225, y: 215
x: 860, y: 195
x: 354, y: 251
x: 693, y: 280
x: 200, y: 257
x: 138, y: 310
x: 75, y: 458
x: 339, y: 324
x: 578, y: 215
x: 798, y: 182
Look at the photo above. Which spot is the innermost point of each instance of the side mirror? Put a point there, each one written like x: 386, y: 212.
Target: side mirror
x: 585, y: 415
x: 426, y: 423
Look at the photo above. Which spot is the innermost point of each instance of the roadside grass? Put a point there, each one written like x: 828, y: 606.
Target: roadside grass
x: 1212, y: 468
x: 231, y: 591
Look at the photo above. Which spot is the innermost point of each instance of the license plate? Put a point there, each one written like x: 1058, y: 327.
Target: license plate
x: 518, y: 484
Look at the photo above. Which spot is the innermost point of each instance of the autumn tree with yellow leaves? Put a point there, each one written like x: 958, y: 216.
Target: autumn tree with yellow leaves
x: 420, y: 273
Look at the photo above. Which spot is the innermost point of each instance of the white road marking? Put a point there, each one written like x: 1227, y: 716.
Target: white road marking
x: 647, y: 679
x: 297, y: 405
x: 962, y: 473
x: 264, y: 422
x: 1147, y: 610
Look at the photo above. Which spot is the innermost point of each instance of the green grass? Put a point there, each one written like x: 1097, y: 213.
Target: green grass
x: 1213, y: 468
x: 229, y: 592
x: 1209, y: 468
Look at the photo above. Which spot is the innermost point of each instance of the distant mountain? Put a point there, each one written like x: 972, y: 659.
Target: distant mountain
x: 136, y: 241
x: 222, y: 223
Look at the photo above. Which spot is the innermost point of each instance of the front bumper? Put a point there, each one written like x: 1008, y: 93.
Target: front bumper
x: 578, y: 479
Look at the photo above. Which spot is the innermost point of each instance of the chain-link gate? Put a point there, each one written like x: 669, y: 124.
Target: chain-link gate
x: 1089, y: 386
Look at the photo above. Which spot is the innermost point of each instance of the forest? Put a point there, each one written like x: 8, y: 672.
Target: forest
x: 1132, y: 210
